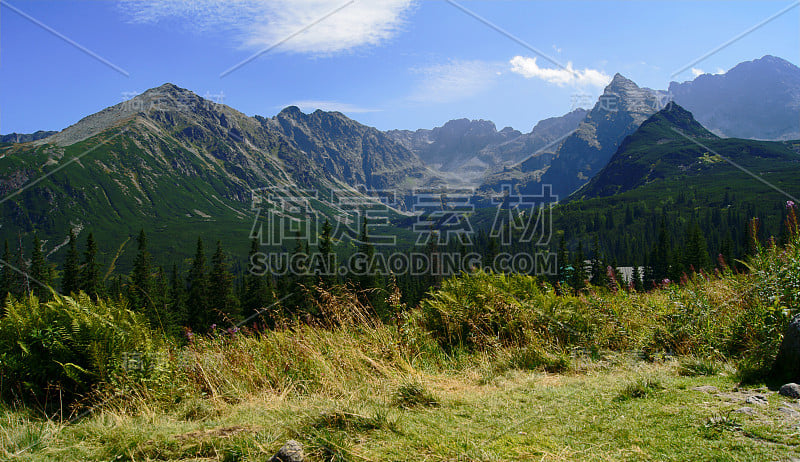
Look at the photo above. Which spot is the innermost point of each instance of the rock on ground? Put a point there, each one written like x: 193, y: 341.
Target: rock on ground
x: 746, y: 410
x: 791, y: 390
x: 760, y: 400
x: 292, y: 451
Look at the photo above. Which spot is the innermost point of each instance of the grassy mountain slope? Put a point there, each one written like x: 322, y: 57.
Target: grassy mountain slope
x: 671, y: 146
x: 177, y: 165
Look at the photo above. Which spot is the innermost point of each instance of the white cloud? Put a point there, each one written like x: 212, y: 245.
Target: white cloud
x: 528, y: 68
x: 698, y: 72
x: 263, y: 23
x: 313, y: 105
x: 453, y: 81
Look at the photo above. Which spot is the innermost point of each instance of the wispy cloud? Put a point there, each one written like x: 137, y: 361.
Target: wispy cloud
x: 262, y: 23
x: 347, y: 108
x: 528, y: 68
x: 453, y: 81
x: 698, y: 72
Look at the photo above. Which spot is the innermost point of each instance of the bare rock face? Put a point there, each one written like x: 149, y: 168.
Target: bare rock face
x: 292, y: 451
x: 787, y: 363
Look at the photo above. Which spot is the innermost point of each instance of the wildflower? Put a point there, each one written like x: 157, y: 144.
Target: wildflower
x: 789, y: 204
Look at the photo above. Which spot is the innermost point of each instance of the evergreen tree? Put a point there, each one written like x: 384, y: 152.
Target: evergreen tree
x: 579, y: 270
x: 599, y: 274
x: 660, y: 257
x: 141, y: 280
x: 22, y: 284
x: 370, y: 280
x: 39, y: 271
x: 7, y: 275
x: 70, y: 278
x: 223, y: 303
x: 257, y: 294
x: 638, y: 284
x: 159, y: 306
x: 295, y: 287
x: 197, y: 303
x: 326, y: 270
x: 90, y: 281
x: 177, y: 298
x: 696, y: 253
x: 563, y: 258
x: 434, y: 277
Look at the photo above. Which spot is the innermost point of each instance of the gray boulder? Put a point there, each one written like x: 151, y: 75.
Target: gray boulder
x: 787, y: 363
x: 292, y: 451
x: 791, y: 390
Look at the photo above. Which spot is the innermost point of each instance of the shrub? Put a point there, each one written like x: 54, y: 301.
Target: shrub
x: 68, y: 346
x: 773, y: 299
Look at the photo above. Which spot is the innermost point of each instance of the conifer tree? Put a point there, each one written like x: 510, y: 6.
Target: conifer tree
x: 579, y: 273
x: 222, y: 300
x: 563, y: 258
x: 141, y: 279
x: 599, y: 275
x: 326, y: 271
x: 371, y: 281
x: 22, y: 285
x: 696, y: 253
x: 638, y: 284
x: 197, y: 303
x: 257, y: 293
x: 70, y: 278
x: 160, y: 313
x: 295, y: 287
x: 177, y: 298
x: 90, y: 281
x: 39, y: 271
x: 661, y: 255
x: 7, y: 274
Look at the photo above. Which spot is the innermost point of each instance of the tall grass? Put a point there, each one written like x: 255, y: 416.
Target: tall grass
x: 478, y: 321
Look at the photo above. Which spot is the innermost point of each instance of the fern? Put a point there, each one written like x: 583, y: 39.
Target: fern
x: 71, y: 343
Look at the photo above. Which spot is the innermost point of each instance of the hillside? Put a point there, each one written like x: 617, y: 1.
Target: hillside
x: 177, y: 165
x: 672, y: 146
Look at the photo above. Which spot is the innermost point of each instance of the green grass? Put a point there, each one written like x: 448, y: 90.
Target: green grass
x: 519, y: 416
x: 489, y: 367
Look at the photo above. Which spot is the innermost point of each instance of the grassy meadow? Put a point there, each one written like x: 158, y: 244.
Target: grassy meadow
x: 488, y: 367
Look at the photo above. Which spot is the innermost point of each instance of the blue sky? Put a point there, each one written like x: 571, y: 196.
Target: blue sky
x: 386, y: 63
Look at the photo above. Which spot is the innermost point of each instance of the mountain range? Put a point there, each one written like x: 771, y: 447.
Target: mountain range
x: 169, y: 160
x: 757, y: 99
x: 672, y: 146
x: 464, y: 151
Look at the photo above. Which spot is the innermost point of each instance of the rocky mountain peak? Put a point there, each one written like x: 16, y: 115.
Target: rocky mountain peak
x: 758, y: 99
x: 165, y: 99
x: 290, y: 112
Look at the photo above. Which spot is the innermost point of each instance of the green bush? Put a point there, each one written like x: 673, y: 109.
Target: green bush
x: 773, y: 299
x: 62, y: 349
